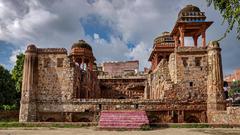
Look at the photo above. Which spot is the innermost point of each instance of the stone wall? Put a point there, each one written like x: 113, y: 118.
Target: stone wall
x: 230, y: 116
x: 122, y: 88
x: 160, y: 81
x: 120, y: 68
x: 158, y: 110
x: 55, y: 77
x: 183, y: 77
x: 12, y: 115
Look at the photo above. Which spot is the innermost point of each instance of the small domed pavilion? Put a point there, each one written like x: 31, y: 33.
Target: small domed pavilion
x: 191, y: 22
x: 81, y: 53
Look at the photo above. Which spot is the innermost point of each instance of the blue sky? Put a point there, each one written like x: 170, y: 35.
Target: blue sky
x: 116, y: 29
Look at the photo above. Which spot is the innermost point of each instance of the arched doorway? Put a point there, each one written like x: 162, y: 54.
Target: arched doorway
x: 51, y: 120
x: 81, y: 120
x: 121, y: 97
x: 192, y: 119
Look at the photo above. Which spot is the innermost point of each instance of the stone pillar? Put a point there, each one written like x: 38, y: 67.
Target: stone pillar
x: 204, y: 38
x: 67, y: 117
x: 176, y: 40
x: 215, y: 99
x: 180, y: 116
x: 90, y: 65
x: 148, y: 87
x: 195, y: 39
x: 181, y: 30
x: 28, y: 99
x: 82, y: 64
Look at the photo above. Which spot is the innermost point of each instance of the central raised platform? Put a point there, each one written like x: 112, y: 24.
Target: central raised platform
x: 130, y: 119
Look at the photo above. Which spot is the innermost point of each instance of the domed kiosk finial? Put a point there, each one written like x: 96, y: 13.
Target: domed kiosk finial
x: 191, y: 13
x: 31, y: 48
x: 81, y: 53
x: 191, y: 22
x: 82, y: 44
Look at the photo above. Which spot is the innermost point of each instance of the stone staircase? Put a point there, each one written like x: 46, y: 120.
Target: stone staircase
x: 130, y: 119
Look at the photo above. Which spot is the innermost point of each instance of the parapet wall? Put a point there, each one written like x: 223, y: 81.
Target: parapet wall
x: 81, y: 105
x: 119, y: 68
x: 230, y: 116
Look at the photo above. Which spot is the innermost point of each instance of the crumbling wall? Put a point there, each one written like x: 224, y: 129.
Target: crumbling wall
x: 230, y: 116
x: 160, y: 81
x: 55, y: 77
x: 122, y: 88
x: 183, y: 77
x: 115, y: 69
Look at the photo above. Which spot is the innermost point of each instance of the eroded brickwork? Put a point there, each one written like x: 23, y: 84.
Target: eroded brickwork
x: 124, y: 88
x: 114, y: 69
x: 184, y: 84
x: 183, y: 77
x: 55, y: 76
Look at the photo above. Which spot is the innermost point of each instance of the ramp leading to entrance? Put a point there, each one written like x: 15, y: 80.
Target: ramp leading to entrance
x: 123, y: 119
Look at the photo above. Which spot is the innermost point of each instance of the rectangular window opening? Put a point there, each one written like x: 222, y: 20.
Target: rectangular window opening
x: 60, y: 62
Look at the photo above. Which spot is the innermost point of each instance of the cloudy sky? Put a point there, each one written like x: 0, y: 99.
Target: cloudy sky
x: 116, y: 29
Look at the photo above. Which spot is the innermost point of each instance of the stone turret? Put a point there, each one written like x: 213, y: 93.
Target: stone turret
x: 215, y: 100
x: 28, y: 98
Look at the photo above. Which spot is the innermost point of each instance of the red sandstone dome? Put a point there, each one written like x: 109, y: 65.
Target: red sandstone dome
x: 82, y: 44
x: 31, y: 48
x: 164, y: 38
x: 191, y: 13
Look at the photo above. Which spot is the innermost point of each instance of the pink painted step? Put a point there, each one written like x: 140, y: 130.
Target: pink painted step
x: 123, y: 119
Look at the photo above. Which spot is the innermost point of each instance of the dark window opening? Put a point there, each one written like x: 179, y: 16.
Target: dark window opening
x: 191, y: 84
x: 185, y: 64
x: 136, y: 106
x: 59, y: 62
x: 198, y: 61
x: 47, y: 62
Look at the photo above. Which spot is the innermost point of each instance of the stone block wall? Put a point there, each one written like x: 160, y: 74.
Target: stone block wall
x: 158, y: 110
x: 160, y: 81
x: 183, y: 77
x: 122, y: 88
x: 230, y: 116
x: 118, y: 68
x: 55, y: 77
x: 191, y: 73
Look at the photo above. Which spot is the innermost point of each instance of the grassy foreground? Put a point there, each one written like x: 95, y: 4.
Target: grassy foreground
x: 45, y: 124
x: 94, y: 124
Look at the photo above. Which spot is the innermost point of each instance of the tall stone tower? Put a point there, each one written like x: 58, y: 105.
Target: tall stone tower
x: 215, y: 100
x: 28, y: 98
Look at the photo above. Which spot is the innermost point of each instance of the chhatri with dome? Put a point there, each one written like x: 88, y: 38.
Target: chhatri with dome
x: 183, y: 85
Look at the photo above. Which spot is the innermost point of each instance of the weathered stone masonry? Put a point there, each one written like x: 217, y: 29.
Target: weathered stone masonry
x: 184, y: 84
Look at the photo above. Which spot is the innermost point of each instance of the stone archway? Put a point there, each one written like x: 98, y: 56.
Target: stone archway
x: 121, y: 97
x: 81, y: 119
x: 51, y: 120
x: 192, y: 119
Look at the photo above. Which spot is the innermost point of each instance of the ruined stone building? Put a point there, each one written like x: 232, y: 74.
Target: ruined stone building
x: 119, y: 69
x: 184, y: 84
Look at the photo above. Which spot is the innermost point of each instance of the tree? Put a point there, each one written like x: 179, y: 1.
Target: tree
x: 17, y: 72
x: 7, y: 88
x: 235, y: 88
x: 230, y: 11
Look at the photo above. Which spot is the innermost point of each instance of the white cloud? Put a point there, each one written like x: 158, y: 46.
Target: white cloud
x: 57, y: 24
x: 141, y: 52
x: 13, y: 56
x: 95, y: 36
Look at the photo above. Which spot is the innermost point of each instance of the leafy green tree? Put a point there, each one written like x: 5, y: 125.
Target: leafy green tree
x: 230, y: 11
x: 17, y: 75
x: 7, y: 88
x: 235, y: 88
x: 17, y: 72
